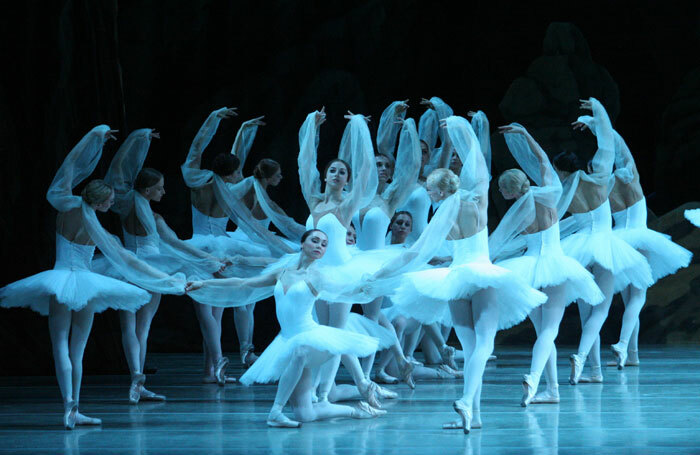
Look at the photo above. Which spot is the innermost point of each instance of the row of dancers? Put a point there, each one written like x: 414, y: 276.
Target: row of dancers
x: 400, y: 228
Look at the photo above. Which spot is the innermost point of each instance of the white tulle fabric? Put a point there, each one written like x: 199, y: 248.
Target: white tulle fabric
x: 299, y: 330
x: 73, y: 284
x: 595, y: 243
x: 418, y: 205
x: 693, y: 216
x: 235, y: 209
x: 480, y: 125
x: 429, y: 130
x: 125, y: 263
x: 665, y: 257
x: 388, y: 129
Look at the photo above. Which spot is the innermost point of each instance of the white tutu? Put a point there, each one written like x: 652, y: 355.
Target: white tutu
x: 423, y: 295
x: 300, y: 330
x: 664, y: 256
x: 357, y: 323
x: 73, y: 284
x: 545, y: 265
x: 693, y: 216
x: 595, y: 243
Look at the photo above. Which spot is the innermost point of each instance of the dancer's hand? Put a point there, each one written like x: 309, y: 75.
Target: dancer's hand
x: 402, y: 107
x: 579, y: 125
x: 586, y: 104
x: 471, y: 114
x: 110, y: 134
x: 512, y: 128
x: 257, y: 121
x: 320, y: 116
x: 427, y: 103
x: 154, y: 134
x: 349, y: 115
x: 193, y: 286
x: 443, y: 123
x: 399, y: 121
x: 227, y: 113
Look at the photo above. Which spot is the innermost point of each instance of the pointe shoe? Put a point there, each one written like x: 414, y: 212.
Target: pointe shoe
x: 137, y: 381
x: 454, y: 425
x: 386, y: 394
x: 448, y: 356
x: 406, y: 373
x: 547, y: 397
x: 220, y: 371
x: 452, y: 372
x: 592, y: 379
x: 632, y: 358
x: 248, y: 357
x: 620, y: 356
x: 370, y: 394
x: 382, y: 377
x: 364, y: 411
x: 465, y: 414
x: 70, y: 415
x: 576, y: 368
x: 147, y: 395
x: 279, y: 420
x: 81, y: 419
x: 476, y: 419
x: 529, y: 390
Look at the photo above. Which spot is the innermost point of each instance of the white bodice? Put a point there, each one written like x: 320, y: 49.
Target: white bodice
x: 72, y: 256
x: 634, y: 216
x: 544, y: 242
x: 337, y: 250
x: 371, y: 232
x: 418, y: 205
x: 141, y: 245
x: 471, y: 249
x: 207, y: 225
x: 597, y: 220
x: 295, y: 308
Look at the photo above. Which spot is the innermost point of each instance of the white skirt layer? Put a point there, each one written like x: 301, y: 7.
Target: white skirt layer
x: 274, y: 360
x: 664, y: 256
x: 225, y: 245
x: 423, y: 295
x: 693, y: 216
x: 610, y: 252
x: 359, y: 324
x: 551, y: 270
x: 76, y: 289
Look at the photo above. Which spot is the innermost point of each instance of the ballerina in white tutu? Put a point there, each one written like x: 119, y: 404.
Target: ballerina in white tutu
x: 665, y: 257
x: 302, y: 345
x: 483, y: 298
x: 612, y: 261
x: 533, y: 220
x: 147, y: 234
x: 71, y: 293
x: 213, y: 204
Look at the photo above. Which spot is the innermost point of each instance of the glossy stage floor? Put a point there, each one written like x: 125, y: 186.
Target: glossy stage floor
x: 654, y: 408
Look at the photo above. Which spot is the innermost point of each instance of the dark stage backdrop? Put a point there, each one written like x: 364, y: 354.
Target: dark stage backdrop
x: 69, y: 65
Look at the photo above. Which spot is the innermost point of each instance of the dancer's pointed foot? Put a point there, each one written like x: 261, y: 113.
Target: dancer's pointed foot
x: 382, y: 377
x: 577, y: 363
x: 364, y: 411
x: 369, y: 393
x: 632, y: 358
x: 448, y: 356
x: 476, y: 419
x: 147, y: 395
x: 465, y: 414
x: 620, y: 355
x: 592, y: 379
x: 406, y: 373
x: 220, y: 371
x: 452, y: 372
x: 81, y: 419
x: 277, y: 419
x: 549, y: 396
x: 70, y: 413
x: 248, y: 357
x: 529, y: 389
x: 137, y: 381
x: 386, y: 394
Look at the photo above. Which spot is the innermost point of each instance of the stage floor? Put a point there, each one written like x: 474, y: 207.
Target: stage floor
x: 654, y: 408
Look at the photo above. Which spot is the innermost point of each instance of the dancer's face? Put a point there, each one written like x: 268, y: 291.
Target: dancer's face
x: 507, y: 195
x: 384, y: 168
x: 351, y: 236
x: 424, y: 154
x: 106, y: 204
x: 155, y: 192
x: 315, y: 245
x: 456, y: 163
x: 337, y: 175
x: 400, y: 228
x: 275, y: 179
x: 436, y: 195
